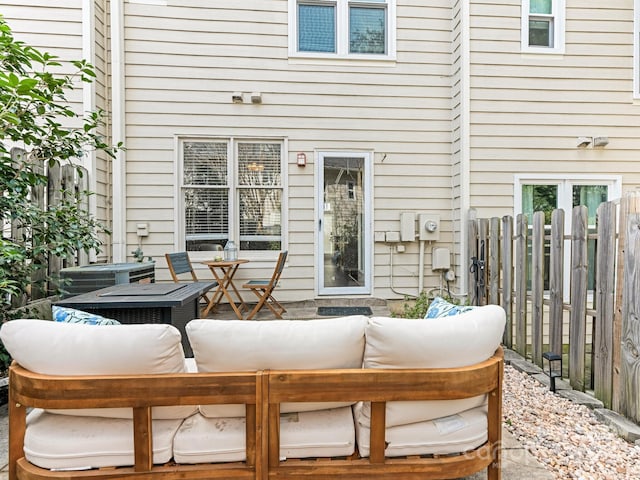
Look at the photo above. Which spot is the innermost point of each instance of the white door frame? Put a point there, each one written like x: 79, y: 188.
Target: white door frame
x: 367, y: 177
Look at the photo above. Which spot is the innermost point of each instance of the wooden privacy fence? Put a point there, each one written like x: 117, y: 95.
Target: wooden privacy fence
x: 65, y: 179
x: 554, y: 286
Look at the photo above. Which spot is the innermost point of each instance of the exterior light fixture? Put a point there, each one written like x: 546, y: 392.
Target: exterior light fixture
x: 600, y: 141
x: 256, y: 97
x: 553, y: 368
x: 301, y: 159
x: 584, y: 142
x: 236, y: 97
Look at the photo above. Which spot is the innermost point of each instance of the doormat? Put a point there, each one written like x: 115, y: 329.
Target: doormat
x: 343, y: 311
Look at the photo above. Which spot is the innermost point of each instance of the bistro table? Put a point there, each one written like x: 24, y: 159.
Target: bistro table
x: 172, y: 303
x: 223, y: 271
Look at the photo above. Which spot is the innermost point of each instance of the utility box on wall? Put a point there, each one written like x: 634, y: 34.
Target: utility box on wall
x: 408, y: 226
x: 429, y: 226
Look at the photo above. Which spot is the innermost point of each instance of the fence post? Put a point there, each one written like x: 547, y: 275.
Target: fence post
x: 494, y: 261
x: 579, y: 272
x: 537, y: 287
x: 605, y: 293
x: 617, y: 317
x: 630, y: 359
x: 507, y: 278
x: 521, y: 285
x: 556, y: 281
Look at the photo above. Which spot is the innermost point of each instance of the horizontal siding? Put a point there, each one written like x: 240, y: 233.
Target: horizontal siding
x: 183, y: 62
x: 528, y: 110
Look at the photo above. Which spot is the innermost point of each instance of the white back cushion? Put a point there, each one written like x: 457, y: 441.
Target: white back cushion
x: 58, y: 348
x: 449, y: 342
x: 240, y: 345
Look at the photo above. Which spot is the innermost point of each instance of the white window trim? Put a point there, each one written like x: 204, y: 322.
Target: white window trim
x: 565, y: 184
x: 558, y: 14
x: 342, y: 40
x: 636, y: 49
x: 179, y: 221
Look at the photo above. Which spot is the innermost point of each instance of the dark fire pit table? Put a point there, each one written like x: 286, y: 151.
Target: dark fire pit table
x: 171, y: 303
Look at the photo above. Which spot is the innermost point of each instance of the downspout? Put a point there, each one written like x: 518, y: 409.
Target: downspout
x: 465, y: 148
x: 89, y: 102
x: 118, y: 132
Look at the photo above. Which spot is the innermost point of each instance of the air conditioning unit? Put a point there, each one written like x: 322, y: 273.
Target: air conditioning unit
x: 87, y: 278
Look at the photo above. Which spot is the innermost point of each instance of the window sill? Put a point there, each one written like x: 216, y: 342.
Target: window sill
x: 361, y: 60
x: 555, y: 54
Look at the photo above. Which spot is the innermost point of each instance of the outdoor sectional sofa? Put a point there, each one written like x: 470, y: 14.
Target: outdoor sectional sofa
x: 351, y: 397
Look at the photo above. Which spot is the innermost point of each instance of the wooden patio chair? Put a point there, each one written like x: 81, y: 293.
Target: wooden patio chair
x: 179, y: 264
x: 263, y: 289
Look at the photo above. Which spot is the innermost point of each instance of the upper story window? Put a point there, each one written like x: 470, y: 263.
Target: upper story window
x: 342, y: 28
x: 543, y: 24
x: 232, y: 190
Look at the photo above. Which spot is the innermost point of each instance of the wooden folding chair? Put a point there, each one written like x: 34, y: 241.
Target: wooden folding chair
x: 264, y: 290
x: 179, y: 264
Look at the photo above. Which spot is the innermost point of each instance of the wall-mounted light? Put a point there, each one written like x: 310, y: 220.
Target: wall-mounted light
x: 256, y: 97
x: 236, y: 97
x: 302, y: 159
x: 600, y: 141
x: 583, y: 142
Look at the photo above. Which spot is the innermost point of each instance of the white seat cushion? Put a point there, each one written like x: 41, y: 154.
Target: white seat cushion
x: 67, y: 442
x: 322, y: 433
x: 457, y: 433
x: 238, y: 345
x: 454, y: 341
x: 59, y: 348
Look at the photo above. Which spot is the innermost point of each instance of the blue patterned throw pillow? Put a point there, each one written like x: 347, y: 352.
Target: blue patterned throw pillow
x: 71, y: 315
x: 439, y: 308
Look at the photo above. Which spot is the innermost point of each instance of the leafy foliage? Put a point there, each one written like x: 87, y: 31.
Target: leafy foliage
x: 417, y: 308
x: 33, y: 107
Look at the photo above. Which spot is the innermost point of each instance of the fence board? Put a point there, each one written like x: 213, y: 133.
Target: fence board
x: 521, y: 285
x: 507, y: 277
x: 82, y: 185
x: 556, y: 281
x: 617, y: 317
x: 537, y: 287
x: 483, y: 254
x: 579, y: 272
x: 472, y: 246
x: 630, y: 358
x: 494, y: 261
x: 605, y: 295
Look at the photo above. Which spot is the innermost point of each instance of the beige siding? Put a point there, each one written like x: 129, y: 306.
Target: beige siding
x: 53, y: 28
x: 183, y: 62
x: 102, y: 170
x: 528, y: 110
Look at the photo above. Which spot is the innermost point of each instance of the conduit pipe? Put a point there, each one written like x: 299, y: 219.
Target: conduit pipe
x: 391, y: 275
x: 421, y: 267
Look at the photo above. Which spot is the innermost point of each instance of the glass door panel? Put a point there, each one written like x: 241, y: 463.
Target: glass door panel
x: 344, y: 236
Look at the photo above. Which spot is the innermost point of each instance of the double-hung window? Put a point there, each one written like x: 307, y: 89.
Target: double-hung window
x: 232, y: 189
x: 543, y: 25
x: 342, y: 28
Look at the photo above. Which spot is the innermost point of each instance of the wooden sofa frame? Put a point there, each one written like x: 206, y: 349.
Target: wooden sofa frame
x: 262, y: 392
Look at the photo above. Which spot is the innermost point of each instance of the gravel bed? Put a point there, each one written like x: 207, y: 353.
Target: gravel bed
x: 563, y: 436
